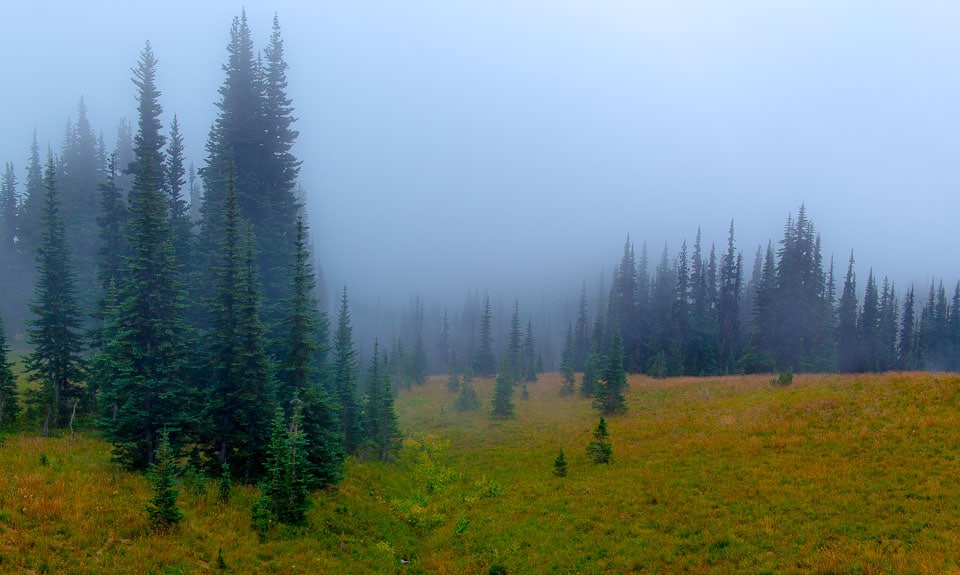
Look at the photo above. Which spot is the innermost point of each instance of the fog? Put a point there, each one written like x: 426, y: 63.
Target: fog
x: 511, y: 147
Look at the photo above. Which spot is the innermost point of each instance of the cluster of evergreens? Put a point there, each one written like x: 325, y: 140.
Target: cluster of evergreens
x: 190, y: 328
x: 695, y: 315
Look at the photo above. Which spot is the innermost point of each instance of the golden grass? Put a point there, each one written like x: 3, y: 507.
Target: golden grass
x: 833, y: 474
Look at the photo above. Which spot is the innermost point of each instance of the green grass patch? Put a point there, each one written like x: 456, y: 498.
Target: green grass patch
x: 831, y: 474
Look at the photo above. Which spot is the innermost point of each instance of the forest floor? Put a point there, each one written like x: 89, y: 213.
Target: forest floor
x: 832, y: 474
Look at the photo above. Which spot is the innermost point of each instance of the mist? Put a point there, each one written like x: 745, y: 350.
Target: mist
x: 511, y: 148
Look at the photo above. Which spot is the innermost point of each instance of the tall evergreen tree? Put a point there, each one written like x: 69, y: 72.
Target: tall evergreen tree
x: 514, y: 352
x: 9, y: 206
x: 566, y: 363
x: 728, y: 305
x: 906, y: 348
x: 303, y: 364
x: 484, y: 361
x: 381, y: 428
x: 253, y: 134
x: 869, y: 326
x: 848, y: 338
x: 148, y: 350
x: 529, y: 354
x: 345, y: 377
x: 581, y: 334
x: 447, y: 355
x: 54, y: 333
x: 887, y: 327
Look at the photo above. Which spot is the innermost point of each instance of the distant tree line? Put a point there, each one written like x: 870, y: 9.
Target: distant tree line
x: 695, y: 315
x: 167, y: 317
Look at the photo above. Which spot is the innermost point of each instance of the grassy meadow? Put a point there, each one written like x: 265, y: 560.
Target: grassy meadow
x: 833, y: 474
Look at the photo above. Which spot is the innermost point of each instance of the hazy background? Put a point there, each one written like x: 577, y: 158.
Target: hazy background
x: 512, y: 146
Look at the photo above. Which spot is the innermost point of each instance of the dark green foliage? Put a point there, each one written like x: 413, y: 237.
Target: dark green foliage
x: 467, y: 400
x: 503, y: 394
x: 286, y: 485
x: 524, y: 393
x: 253, y: 138
x: 146, y: 338
x: 9, y: 404
x: 588, y: 381
x: 560, y: 465
x: 381, y: 429
x: 55, y: 330
x: 221, y: 562
x: 345, y: 378
x: 303, y: 352
x: 566, y: 364
x: 599, y: 450
x: 484, y: 361
x: 162, y: 508
x: 613, y: 382
x: 241, y: 388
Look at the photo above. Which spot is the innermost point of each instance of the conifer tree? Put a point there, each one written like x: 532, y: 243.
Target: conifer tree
x: 241, y: 389
x: 9, y: 404
x: 31, y: 206
x: 728, y: 305
x: 303, y: 368
x: 581, y: 335
x: 599, y: 450
x: 514, y: 355
x: 613, y: 381
x: 503, y: 393
x: 887, y: 329
x: 8, y: 215
x: 848, y: 338
x: 446, y: 351
x: 148, y: 347
x: 566, y: 364
x: 529, y: 354
x: 906, y: 349
x: 380, y: 422
x: 560, y: 465
x: 467, y: 400
x: 484, y: 361
x: 869, y: 326
x: 286, y: 486
x: 591, y: 368
x: 113, y: 228
x: 162, y: 508
x: 55, y: 330
x: 345, y: 377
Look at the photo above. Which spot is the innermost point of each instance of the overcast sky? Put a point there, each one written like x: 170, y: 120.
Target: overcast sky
x: 500, y: 144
